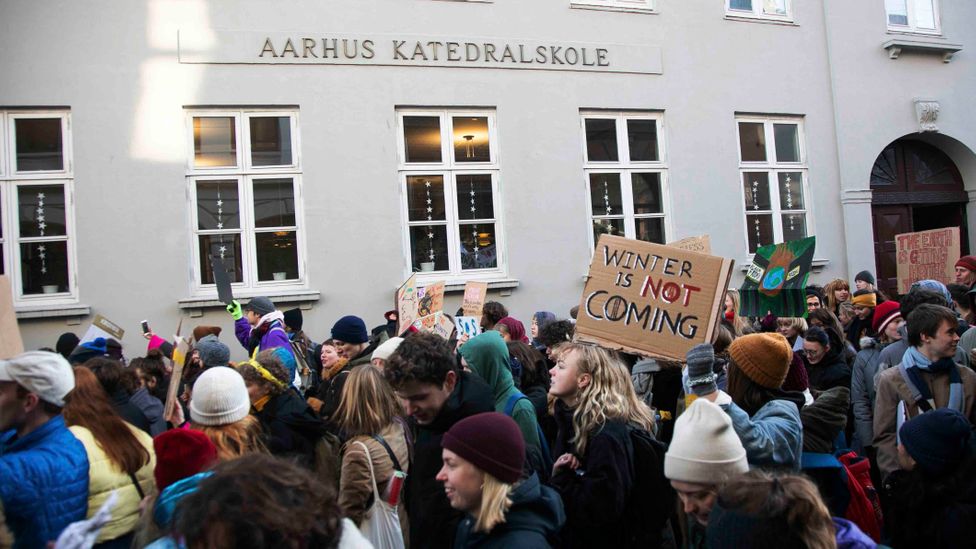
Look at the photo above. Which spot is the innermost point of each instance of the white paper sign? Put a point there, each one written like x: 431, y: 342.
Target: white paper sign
x: 467, y: 325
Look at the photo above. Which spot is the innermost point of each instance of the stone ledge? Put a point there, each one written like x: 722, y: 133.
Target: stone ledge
x: 896, y: 45
x: 196, y: 305
x: 605, y: 7
x: 52, y: 311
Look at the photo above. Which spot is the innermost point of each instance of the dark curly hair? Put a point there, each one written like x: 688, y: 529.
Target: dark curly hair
x: 259, y: 501
x: 270, y: 361
x: 110, y: 374
x: 491, y: 313
x: 422, y: 357
x: 557, y: 332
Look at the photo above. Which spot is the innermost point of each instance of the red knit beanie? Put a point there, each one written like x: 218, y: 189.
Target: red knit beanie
x: 492, y: 442
x: 883, y: 314
x: 967, y: 262
x: 181, y: 453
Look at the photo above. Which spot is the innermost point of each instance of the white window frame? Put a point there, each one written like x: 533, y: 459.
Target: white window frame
x: 245, y: 174
x: 638, y: 6
x: 449, y: 169
x: 625, y: 167
x: 758, y: 11
x: 911, y: 27
x: 773, y: 167
x: 11, y: 181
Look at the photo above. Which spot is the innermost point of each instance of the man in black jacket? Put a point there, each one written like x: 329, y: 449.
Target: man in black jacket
x: 435, y: 395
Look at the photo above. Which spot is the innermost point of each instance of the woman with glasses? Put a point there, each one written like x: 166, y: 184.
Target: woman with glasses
x: 824, y: 360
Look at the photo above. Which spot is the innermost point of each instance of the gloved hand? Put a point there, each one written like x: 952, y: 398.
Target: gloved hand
x: 235, y: 310
x: 700, y: 375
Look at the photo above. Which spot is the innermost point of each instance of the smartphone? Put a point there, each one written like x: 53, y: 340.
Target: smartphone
x: 145, y: 326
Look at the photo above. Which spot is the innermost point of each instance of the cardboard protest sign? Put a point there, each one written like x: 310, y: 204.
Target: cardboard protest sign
x: 927, y: 255
x: 406, y: 304
x: 777, y: 279
x: 651, y: 299
x: 11, y: 343
x: 180, y: 350
x: 438, y: 323
x: 473, y: 302
x: 430, y: 299
x: 224, y: 292
x: 467, y: 325
x: 102, y: 327
x: 701, y: 244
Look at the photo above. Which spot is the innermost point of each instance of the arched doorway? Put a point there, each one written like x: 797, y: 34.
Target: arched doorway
x: 915, y: 187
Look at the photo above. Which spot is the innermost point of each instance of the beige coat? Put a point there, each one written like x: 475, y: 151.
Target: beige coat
x: 355, y: 486
x: 892, y: 389
x: 104, y: 477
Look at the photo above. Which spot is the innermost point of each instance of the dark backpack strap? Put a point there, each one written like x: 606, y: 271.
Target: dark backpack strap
x: 389, y: 451
x: 512, y: 401
x: 135, y: 482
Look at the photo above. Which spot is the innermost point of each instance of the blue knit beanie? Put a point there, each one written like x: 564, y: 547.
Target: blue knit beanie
x: 350, y: 329
x: 937, y: 440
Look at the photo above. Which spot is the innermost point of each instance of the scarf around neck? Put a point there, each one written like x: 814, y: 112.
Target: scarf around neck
x: 912, y: 366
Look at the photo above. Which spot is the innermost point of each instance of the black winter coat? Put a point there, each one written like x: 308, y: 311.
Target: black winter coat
x: 433, y: 522
x: 130, y: 412
x: 535, y: 517
x: 596, y: 495
x: 291, y: 428
x: 832, y: 371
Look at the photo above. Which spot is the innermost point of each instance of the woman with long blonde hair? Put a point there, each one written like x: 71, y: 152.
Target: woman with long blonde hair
x: 837, y: 291
x: 377, y: 448
x: 731, y: 315
x: 483, y: 476
x: 596, y: 410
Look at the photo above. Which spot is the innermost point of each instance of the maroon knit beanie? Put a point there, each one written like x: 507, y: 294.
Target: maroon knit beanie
x: 967, y: 262
x: 181, y: 453
x: 796, y: 376
x: 492, y: 442
x: 883, y: 314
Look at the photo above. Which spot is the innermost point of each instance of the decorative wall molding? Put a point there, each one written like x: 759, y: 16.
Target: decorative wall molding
x: 927, y: 112
x: 856, y: 196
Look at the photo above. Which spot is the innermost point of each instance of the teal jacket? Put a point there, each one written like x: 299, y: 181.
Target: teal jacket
x: 487, y: 356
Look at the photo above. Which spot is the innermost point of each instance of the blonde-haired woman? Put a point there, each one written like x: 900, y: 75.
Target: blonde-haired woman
x: 219, y: 408
x: 732, y: 317
x: 377, y: 443
x: 837, y: 291
x: 596, y: 409
x: 482, y: 475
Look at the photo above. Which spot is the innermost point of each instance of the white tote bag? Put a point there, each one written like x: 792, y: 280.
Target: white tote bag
x: 382, y: 523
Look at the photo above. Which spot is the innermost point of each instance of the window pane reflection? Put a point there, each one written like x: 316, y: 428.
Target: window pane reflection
x: 774, y: 7
x: 274, y: 203
x: 756, y: 190
x: 760, y: 228
x: 752, y: 142
x: 642, y: 139
x: 214, y: 141
x: 471, y: 139
x: 605, y: 196
x: 478, y: 246
x: 217, y: 205
x: 428, y: 248
x: 601, y: 140
x: 744, y: 5
x: 897, y: 12
x: 791, y: 191
x: 787, y: 142
x: 613, y: 227
x: 277, y: 255
x: 647, y: 193
x: 41, y: 210
x: 794, y: 227
x: 425, y: 197
x: 39, y: 144
x: 474, y: 198
x: 650, y: 229
x: 422, y: 138
x: 44, y: 267
x: 270, y: 141
x: 223, y: 246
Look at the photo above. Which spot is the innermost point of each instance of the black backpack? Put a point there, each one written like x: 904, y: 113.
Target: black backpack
x: 652, y: 500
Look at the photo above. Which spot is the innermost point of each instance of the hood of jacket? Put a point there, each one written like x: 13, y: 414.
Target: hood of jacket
x: 165, y: 508
x: 487, y: 356
x: 535, y: 507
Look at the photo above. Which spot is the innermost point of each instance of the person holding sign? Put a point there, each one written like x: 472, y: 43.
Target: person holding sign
x: 260, y: 327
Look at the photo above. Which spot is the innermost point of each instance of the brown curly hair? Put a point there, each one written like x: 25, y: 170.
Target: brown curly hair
x: 270, y: 361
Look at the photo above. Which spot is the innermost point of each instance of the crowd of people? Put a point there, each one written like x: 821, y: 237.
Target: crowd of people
x: 850, y: 427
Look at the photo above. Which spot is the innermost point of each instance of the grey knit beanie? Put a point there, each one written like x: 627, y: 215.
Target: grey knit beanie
x: 213, y: 352
x: 219, y: 397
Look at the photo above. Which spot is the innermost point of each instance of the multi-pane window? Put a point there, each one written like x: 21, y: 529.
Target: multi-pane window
x: 763, y: 9
x: 36, y: 218
x: 773, y: 176
x: 244, y: 175
x: 626, y: 175
x: 913, y: 15
x: 448, y: 168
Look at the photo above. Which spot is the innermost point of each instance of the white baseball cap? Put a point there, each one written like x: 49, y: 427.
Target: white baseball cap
x: 48, y: 375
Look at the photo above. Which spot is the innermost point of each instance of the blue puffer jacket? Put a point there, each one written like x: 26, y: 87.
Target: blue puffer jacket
x: 43, y: 482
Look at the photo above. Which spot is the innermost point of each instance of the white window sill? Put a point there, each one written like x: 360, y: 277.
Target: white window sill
x: 457, y: 284
x: 470, y: 1
x: 758, y: 19
x: 52, y: 311
x: 816, y: 265
x: 195, y: 305
x: 919, y: 33
x: 921, y: 44
x: 605, y: 7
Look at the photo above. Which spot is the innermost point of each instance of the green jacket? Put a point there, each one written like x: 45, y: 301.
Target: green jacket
x: 487, y: 356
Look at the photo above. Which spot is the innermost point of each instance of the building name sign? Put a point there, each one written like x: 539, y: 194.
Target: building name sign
x: 246, y: 47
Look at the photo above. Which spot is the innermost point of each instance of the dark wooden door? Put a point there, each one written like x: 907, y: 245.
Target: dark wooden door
x: 916, y: 187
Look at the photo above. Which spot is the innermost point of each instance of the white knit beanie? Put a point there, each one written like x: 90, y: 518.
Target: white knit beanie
x: 219, y: 397
x: 387, y: 348
x: 705, y: 448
